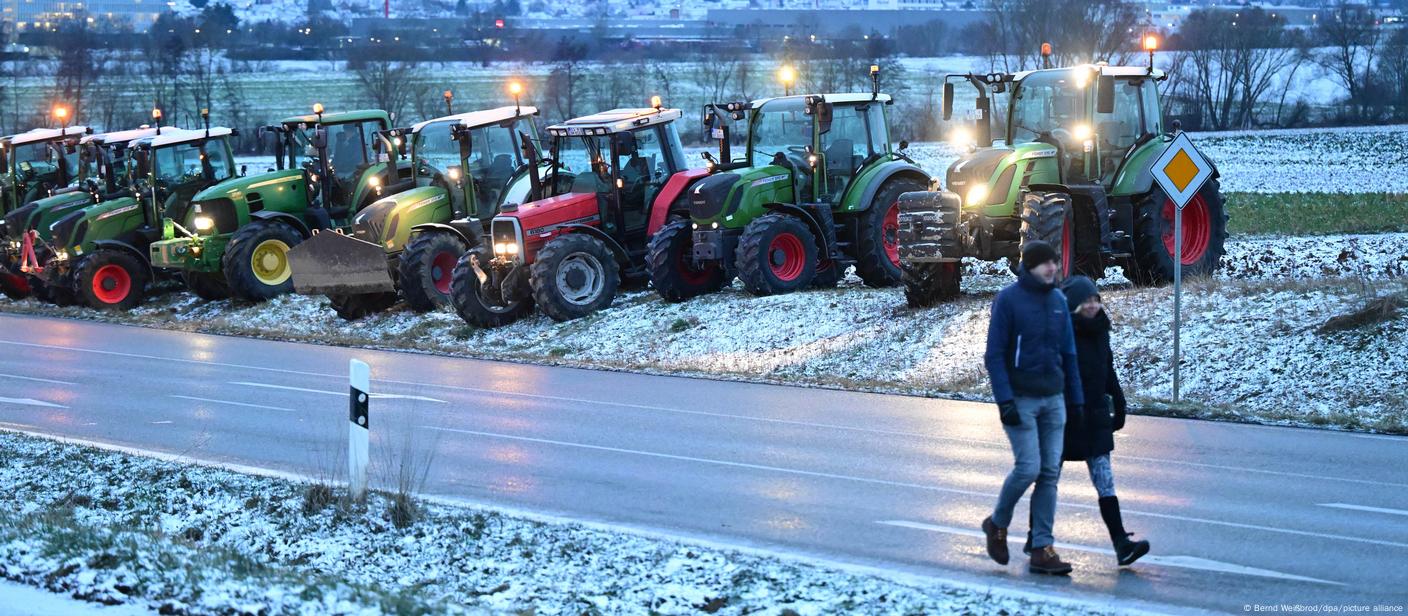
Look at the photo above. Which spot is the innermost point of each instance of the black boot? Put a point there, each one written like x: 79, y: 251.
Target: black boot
x: 1027, y: 547
x: 1127, y: 551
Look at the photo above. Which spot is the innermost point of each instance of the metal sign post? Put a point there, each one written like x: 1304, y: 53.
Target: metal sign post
x: 1181, y: 172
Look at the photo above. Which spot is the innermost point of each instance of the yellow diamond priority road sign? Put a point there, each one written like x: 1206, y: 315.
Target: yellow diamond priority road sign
x: 1181, y: 170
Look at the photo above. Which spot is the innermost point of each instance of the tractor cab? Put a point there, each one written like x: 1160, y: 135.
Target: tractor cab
x: 37, y: 162
x: 339, y: 158
x: 822, y: 140
x: 611, y: 183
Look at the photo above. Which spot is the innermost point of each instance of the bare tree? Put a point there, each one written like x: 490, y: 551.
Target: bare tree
x: 1350, y: 35
x: 1228, y: 63
x: 565, y: 79
x: 78, y: 65
x: 384, y: 85
x: 1078, y: 30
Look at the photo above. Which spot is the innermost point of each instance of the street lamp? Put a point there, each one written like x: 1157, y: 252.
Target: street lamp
x: 787, y: 75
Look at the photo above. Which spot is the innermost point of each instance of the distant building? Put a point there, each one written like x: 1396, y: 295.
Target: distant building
x: 24, y: 15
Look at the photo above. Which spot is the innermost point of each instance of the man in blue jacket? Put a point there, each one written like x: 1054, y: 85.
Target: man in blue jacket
x: 1031, y: 361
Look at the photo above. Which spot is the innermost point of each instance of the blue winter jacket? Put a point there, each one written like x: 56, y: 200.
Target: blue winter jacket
x: 1031, y: 347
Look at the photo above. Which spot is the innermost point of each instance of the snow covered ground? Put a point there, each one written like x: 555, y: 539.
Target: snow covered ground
x: 1251, y: 341
x: 122, y: 529
x: 1355, y: 159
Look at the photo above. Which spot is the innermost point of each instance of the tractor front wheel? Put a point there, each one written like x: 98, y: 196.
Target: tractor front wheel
x: 256, y: 263
x: 926, y: 284
x: 776, y: 254
x: 1048, y: 217
x: 1204, y: 232
x: 426, y: 268
x: 878, y: 241
x: 111, y: 280
x: 475, y: 304
x: 357, y: 306
x: 671, y: 265
x: 207, y: 286
x: 574, y: 276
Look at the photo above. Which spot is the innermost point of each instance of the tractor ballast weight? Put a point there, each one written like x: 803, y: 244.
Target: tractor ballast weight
x: 1073, y: 170
x: 463, y: 167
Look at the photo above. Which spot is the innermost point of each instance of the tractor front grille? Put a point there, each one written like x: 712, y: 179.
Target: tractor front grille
x: 221, y: 211
x: 709, y: 197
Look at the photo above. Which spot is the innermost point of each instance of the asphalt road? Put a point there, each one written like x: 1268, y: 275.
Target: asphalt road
x: 1238, y: 515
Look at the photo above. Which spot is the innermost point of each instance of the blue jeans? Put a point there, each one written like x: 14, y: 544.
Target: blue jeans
x: 1036, y: 449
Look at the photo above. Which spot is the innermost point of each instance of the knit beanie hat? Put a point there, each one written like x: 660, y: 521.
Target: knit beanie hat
x: 1036, y: 252
x: 1078, y: 289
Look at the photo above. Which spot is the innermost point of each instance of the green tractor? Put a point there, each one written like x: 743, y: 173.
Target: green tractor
x: 235, y: 237
x: 1073, y: 170
x: 100, y: 252
x: 816, y: 192
x: 101, y: 176
x: 465, y: 166
x: 35, y: 164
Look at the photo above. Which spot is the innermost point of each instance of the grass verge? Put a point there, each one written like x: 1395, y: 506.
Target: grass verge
x: 1316, y: 213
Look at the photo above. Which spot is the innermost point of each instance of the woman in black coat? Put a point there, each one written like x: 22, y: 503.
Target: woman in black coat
x: 1091, y: 436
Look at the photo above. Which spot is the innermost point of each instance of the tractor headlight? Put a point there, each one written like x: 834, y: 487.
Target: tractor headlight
x: 14, y: 245
x: 977, y: 195
x: 204, y: 223
x: 511, y: 248
x: 374, y: 181
x: 60, y: 255
x: 500, y: 248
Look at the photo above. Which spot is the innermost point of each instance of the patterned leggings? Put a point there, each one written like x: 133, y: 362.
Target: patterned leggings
x: 1101, y: 475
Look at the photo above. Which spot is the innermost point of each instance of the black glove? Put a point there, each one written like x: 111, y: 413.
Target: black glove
x: 1007, y: 411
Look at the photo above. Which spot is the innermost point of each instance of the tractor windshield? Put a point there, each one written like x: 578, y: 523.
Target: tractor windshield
x: 347, y: 145
x: 1047, y: 102
x: 780, y: 126
x: 28, y: 155
x: 184, y: 162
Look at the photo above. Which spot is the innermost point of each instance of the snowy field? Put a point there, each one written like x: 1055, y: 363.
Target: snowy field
x: 182, y: 539
x: 1354, y: 159
x: 1251, y: 342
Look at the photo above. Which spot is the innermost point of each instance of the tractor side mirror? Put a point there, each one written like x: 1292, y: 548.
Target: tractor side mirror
x: 823, y: 117
x: 904, y: 144
x: 948, y: 101
x: 1105, y: 94
x: 244, y: 170
x: 319, y: 140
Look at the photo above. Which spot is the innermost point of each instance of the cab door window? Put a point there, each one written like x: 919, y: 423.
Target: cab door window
x: 844, y: 147
x: 643, y: 168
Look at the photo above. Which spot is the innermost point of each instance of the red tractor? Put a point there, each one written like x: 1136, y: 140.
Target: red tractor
x: 613, y: 180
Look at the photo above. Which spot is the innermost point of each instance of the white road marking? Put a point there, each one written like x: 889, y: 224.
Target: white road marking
x: 1172, y: 560
x: 338, y: 393
x: 35, y: 379
x: 720, y: 415
x: 31, y: 402
x: 232, y: 403
x: 902, y: 484
x: 162, y: 422
x: 1365, y: 508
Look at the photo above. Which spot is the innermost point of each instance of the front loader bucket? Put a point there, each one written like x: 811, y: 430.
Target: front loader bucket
x: 331, y: 263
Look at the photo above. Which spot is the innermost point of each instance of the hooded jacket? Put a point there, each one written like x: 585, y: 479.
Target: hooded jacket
x: 1093, y: 434
x: 1031, y: 348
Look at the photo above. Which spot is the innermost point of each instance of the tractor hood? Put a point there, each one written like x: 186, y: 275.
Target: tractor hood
x: 718, y: 196
x: 381, y: 221
x: 42, y: 213
x: 236, y: 188
x: 69, y: 230
x: 544, y: 216
x: 976, y: 167
x: 253, y: 192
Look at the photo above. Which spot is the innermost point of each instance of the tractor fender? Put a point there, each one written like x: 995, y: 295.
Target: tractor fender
x: 812, y: 223
x: 1060, y: 188
x: 470, y: 231
x: 121, y: 246
x: 670, y: 194
x: 886, y: 172
x: 284, y: 217
x: 616, y: 248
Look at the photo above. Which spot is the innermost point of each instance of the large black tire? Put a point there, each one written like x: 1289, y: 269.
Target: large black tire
x: 110, y: 280
x: 353, y: 307
x: 1048, y: 217
x: 473, y: 306
x: 427, y: 268
x: 827, y: 275
x: 60, y: 294
x: 877, y: 241
x: 1205, y: 231
x: 256, y: 262
x: 573, y: 276
x: 14, y: 286
x: 207, y: 286
x: 670, y: 264
x: 926, y: 284
x: 776, y: 254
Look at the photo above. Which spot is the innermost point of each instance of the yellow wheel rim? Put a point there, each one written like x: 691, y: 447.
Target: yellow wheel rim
x: 269, y: 262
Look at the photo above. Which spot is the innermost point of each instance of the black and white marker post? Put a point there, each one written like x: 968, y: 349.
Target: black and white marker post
x: 358, y: 429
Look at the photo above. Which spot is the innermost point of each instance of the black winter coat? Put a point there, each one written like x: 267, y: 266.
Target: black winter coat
x: 1092, y: 434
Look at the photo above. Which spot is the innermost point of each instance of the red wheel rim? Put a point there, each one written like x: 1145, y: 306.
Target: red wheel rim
x: 440, y: 268
x: 786, y: 256
x: 111, y: 284
x: 1197, y: 229
x: 890, y: 233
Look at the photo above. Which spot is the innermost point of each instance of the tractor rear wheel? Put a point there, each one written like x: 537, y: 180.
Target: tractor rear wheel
x: 207, y: 286
x: 1048, y: 217
x: 1204, y: 232
x: 111, y: 280
x: 357, y: 306
x: 776, y: 254
x: 670, y: 263
x: 477, y: 306
x: 426, y: 268
x: 573, y: 276
x: 878, y: 240
x: 827, y: 275
x: 256, y: 263
x: 14, y: 286
x: 926, y: 284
